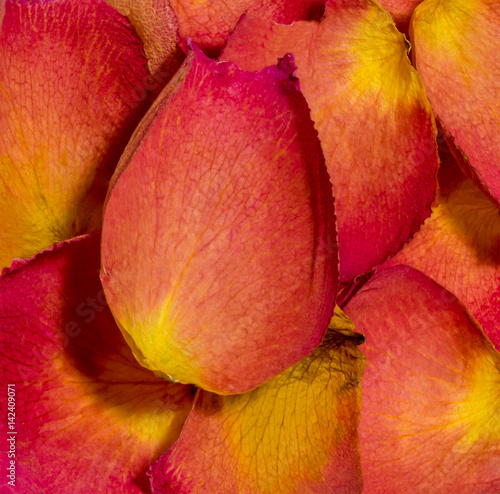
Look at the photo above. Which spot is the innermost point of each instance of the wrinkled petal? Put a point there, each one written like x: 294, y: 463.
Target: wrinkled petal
x: 71, y: 91
x: 401, y: 11
x: 88, y: 418
x: 430, y: 421
x: 156, y: 24
x: 297, y: 433
x: 456, y: 53
x: 372, y: 116
x: 459, y: 246
x: 209, y: 23
x: 214, y: 243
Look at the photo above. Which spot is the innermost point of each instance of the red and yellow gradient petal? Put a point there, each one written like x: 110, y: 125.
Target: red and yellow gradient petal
x: 295, y: 434
x: 430, y: 421
x: 210, y: 23
x: 459, y: 246
x: 88, y: 417
x: 72, y: 76
x: 373, y: 118
x: 456, y: 53
x: 157, y: 26
x: 215, y: 251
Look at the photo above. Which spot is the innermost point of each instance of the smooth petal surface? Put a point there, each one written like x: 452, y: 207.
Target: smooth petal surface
x: 215, y: 254
x: 297, y: 433
x: 71, y: 90
x: 459, y: 246
x: 456, y: 53
x: 430, y: 421
x: 88, y: 417
x: 209, y: 23
x: 156, y: 24
x: 372, y: 116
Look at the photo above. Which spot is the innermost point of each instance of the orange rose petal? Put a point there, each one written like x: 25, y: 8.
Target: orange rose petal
x: 297, y: 433
x: 215, y: 252
x: 373, y: 118
x: 459, y: 246
x: 69, y: 100
x: 210, y: 23
x: 156, y: 24
x: 456, y: 53
x: 88, y: 417
x: 430, y: 420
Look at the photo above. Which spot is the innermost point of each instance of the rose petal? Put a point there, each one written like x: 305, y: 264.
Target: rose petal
x: 459, y: 246
x: 88, y: 418
x: 214, y: 242
x: 209, y: 23
x: 68, y: 104
x: 156, y: 24
x: 430, y: 421
x: 456, y: 53
x: 297, y: 433
x: 401, y: 11
x: 372, y: 116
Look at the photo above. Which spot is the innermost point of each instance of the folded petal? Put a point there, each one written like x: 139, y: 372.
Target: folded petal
x: 209, y: 23
x: 456, y: 53
x: 297, y: 433
x: 157, y: 26
x: 373, y: 118
x: 430, y: 422
x: 214, y: 243
x: 88, y: 418
x: 72, y: 76
x: 459, y: 246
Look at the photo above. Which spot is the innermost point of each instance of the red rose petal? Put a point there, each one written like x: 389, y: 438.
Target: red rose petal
x: 430, y: 421
x: 214, y: 240
x: 373, y: 118
x: 459, y: 246
x: 88, y: 418
x: 70, y: 97
x: 297, y: 433
x: 456, y: 53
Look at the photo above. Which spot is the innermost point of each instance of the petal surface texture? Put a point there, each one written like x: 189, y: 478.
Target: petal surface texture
x: 216, y: 263
x: 210, y: 23
x: 156, y: 24
x: 372, y: 116
x: 88, y: 417
x: 459, y: 246
x: 69, y: 71
x: 401, y: 11
x: 430, y: 421
x: 456, y: 52
x: 295, y: 434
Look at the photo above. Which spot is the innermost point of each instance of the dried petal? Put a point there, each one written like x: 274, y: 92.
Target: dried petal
x: 297, y: 433
x: 456, y: 53
x: 373, y: 118
x: 88, y: 417
x: 70, y: 97
x: 430, y: 421
x: 214, y: 241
